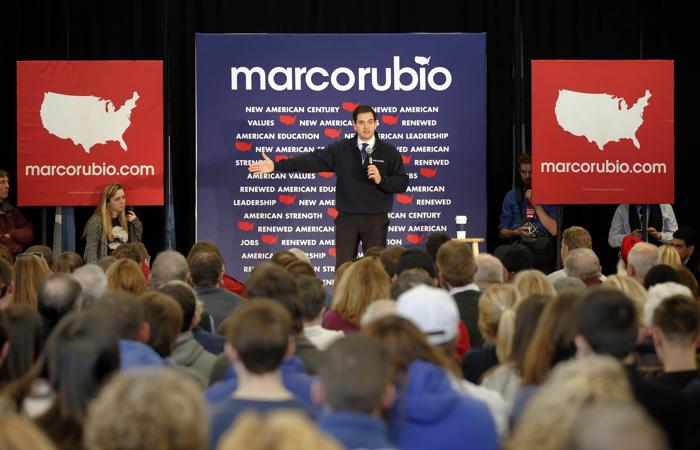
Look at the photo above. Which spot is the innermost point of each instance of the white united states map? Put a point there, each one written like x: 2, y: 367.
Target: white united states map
x: 85, y: 119
x: 600, y: 118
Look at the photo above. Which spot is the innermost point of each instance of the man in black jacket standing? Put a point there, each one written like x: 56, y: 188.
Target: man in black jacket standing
x: 369, y: 171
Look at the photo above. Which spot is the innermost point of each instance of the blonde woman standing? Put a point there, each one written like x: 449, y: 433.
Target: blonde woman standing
x: 110, y: 225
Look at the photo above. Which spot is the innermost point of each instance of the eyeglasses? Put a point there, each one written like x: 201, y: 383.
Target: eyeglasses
x: 40, y: 255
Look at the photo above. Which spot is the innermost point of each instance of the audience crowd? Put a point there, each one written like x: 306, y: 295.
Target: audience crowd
x: 415, y: 348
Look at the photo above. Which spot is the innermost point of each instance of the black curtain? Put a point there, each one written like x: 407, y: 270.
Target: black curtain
x: 550, y: 29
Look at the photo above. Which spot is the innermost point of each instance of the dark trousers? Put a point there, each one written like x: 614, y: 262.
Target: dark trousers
x: 351, y: 229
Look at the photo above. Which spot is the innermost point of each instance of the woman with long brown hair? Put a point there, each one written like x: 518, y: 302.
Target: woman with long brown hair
x: 27, y: 271
x: 363, y: 282
x: 110, y: 225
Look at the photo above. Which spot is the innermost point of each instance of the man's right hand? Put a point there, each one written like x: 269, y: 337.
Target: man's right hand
x: 636, y: 233
x: 264, y: 166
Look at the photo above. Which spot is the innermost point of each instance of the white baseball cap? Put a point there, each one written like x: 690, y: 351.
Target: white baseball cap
x: 432, y: 310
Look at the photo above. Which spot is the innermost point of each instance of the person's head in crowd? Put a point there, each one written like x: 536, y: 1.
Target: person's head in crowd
x: 6, y: 286
x: 364, y: 282
x: 583, y: 263
x: 660, y: 273
x: 489, y: 271
x: 169, y: 265
x: 126, y: 275
x: 628, y: 242
x: 128, y: 251
x: 373, y: 252
x: 564, y: 283
x: 553, y: 340
x: 642, y: 257
x: 112, y: 206
x: 105, y: 263
x: 416, y: 259
x: 45, y: 251
x: 409, y: 279
x: 339, y: 272
x: 259, y: 337
x: 300, y: 254
x: 657, y: 294
x: 26, y: 273
x: 355, y: 376
x: 81, y: 354
x: 455, y: 264
x: 144, y: 257
x: 23, y: 327
x: 283, y: 257
x: 405, y: 343
x: 531, y: 282
x: 20, y: 433
x: 186, y: 298
x: 684, y: 241
x: 314, y: 297
x: 632, y: 289
x: 514, y: 257
x: 573, y: 238
x: 434, y: 242
x: 272, y: 281
x: 390, y: 257
x: 93, y: 284
x: 146, y: 410
x: 67, y: 262
x: 497, y: 306
x: 279, y: 430
x: 608, y: 324
x: 206, y: 269
x: 57, y: 295
x: 378, y: 309
x: 676, y: 332
x: 5, y: 254
x: 526, y: 319
x: 164, y: 317
x: 297, y: 268
x: 125, y: 314
x: 686, y: 278
x: 572, y: 387
x: 669, y: 255
x: 203, y: 246
x: 615, y: 425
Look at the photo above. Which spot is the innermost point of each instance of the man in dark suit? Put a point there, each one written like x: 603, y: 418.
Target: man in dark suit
x: 456, y: 269
x: 369, y: 172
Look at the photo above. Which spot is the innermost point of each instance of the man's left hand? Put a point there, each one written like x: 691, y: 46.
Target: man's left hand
x: 373, y: 174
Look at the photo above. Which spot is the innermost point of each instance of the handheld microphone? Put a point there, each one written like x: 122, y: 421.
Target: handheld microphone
x: 369, y: 151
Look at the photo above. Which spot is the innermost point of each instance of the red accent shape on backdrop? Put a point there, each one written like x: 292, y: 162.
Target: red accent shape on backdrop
x: 390, y: 120
x: 428, y: 173
x: 246, y: 226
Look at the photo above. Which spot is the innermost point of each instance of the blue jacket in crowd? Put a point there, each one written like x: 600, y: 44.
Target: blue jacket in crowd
x: 429, y: 414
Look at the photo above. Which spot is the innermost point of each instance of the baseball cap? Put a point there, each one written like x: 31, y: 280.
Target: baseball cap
x: 432, y: 310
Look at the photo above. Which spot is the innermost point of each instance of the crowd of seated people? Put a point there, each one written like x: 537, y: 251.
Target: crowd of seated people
x: 413, y: 348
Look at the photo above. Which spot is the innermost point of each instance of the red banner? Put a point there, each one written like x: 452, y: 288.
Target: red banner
x: 84, y: 124
x: 602, y: 132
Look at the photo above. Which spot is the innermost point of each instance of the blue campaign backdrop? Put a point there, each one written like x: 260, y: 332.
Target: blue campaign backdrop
x: 289, y: 94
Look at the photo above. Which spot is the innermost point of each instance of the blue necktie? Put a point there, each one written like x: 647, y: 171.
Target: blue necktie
x: 363, y: 151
